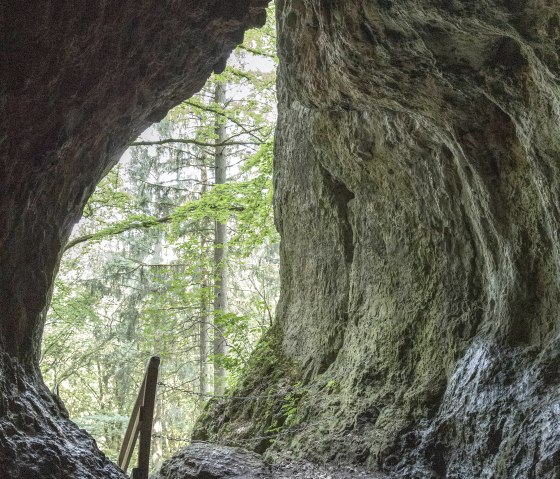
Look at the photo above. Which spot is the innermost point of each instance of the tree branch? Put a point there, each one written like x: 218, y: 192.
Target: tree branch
x: 185, y: 141
x: 134, y: 225
x: 260, y: 53
x: 118, y: 229
x: 217, y: 111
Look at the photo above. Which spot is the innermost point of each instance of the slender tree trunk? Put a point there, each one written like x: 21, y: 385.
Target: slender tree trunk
x: 157, y: 447
x: 203, y: 325
x: 220, y: 240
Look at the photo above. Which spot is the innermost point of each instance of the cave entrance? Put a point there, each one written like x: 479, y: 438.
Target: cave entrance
x: 176, y: 255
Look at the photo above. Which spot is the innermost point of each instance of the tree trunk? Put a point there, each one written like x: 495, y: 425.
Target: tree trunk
x: 203, y: 324
x: 220, y: 245
x: 157, y: 442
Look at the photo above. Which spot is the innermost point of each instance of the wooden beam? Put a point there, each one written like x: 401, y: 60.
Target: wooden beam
x: 140, y: 423
x: 147, y: 418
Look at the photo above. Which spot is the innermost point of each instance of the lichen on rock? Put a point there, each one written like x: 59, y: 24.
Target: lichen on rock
x: 417, y: 198
x: 255, y: 415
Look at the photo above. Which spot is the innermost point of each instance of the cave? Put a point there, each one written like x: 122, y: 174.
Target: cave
x: 416, y: 193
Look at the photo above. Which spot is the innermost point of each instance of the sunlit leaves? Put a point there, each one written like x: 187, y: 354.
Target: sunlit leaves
x: 137, y: 277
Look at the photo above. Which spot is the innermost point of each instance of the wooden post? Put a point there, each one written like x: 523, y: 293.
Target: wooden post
x: 140, y: 424
x: 147, y: 418
x: 132, y: 431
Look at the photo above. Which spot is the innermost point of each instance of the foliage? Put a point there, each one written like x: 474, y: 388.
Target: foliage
x: 137, y: 276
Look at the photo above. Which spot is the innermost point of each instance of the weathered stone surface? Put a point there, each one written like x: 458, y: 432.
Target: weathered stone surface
x: 201, y: 460
x: 417, y: 195
x: 37, y: 439
x: 306, y: 470
x: 78, y: 81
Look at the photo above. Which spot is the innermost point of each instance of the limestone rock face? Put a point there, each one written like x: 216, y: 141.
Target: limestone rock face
x: 37, y: 439
x: 78, y: 81
x: 207, y: 461
x: 417, y: 196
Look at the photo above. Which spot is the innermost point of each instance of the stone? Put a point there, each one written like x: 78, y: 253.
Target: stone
x: 37, y: 439
x: 79, y: 81
x: 417, y: 197
x: 201, y: 460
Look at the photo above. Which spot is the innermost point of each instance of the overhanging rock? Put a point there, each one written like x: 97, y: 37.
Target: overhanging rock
x: 78, y: 81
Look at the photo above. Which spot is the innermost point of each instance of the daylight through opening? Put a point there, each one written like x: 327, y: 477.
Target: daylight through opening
x: 177, y: 256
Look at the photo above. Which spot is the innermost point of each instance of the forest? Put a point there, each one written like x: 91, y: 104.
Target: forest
x: 176, y: 256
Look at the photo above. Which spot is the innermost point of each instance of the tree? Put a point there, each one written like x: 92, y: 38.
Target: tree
x: 220, y: 245
x: 141, y: 271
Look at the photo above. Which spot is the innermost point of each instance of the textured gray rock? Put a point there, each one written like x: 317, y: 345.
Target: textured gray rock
x: 417, y: 195
x: 78, y: 81
x: 201, y: 460
x: 37, y: 440
x: 306, y: 470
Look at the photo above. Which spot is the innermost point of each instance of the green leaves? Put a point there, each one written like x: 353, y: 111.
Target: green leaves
x: 138, y: 275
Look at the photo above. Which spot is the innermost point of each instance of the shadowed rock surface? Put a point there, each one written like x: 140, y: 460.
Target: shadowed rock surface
x: 417, y: 196
x: 78, y: 81
x: 37, y: 440
x: 210, y: 461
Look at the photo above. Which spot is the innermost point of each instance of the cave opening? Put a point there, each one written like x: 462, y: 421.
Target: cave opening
x: 176, y: 255
x: 416, y: 192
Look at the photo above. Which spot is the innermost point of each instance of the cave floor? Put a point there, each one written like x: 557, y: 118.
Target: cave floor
x: 305, y: 470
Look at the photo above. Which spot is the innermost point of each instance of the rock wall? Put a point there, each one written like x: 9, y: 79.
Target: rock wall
x: 37, y: 439
x: 78, y: 81
x: 417, y: 196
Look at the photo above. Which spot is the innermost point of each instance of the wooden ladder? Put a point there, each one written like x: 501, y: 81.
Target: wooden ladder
x: 140, y: 424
